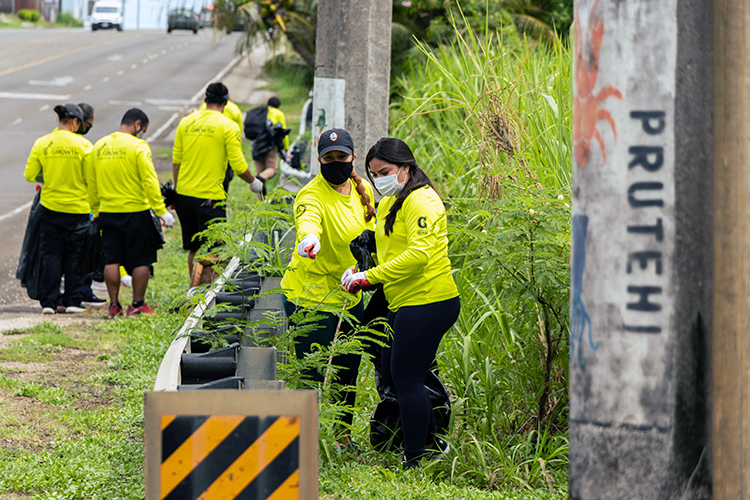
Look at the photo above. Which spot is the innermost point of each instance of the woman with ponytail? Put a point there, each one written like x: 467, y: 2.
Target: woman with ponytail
x: 413, y: 266
x: 58, y: 159
x: 330, y: 211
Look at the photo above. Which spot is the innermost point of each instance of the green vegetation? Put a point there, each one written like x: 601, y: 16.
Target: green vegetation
x: 29, y: 15
x: 67, y: 19
x: 7, y: 21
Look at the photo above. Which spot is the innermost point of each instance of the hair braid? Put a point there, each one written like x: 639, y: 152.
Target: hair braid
x: 364, y: 198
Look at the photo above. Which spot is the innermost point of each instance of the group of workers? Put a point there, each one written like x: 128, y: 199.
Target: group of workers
x: 412, y: 265
x: 114, y: 180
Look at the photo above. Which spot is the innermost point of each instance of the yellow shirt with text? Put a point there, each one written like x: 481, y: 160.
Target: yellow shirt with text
x: 414, y: 266
x: 60, y: 157
x: 123, y: 178
x: 205, y: 141
x: 336, y: 220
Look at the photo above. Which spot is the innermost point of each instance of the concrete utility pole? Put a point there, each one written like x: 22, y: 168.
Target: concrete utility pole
x: 641, y: 315
x: 352, y: 72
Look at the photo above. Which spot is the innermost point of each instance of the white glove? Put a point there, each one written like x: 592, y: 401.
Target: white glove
x: 355, y: 282
x: 167, y: 220
x: 346, y: 274
x: 126, y: 280
x: 309, y: 246
x: 256, y: 185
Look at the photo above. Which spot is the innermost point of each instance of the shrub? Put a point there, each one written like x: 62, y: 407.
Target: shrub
x: 29, y: 15
x: 67, y: 19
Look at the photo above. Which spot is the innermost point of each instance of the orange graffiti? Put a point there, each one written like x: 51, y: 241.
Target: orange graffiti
x: 586, y: 112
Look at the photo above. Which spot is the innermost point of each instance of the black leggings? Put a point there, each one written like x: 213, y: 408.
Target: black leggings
x: 417, y: 332
x: 323, y: 335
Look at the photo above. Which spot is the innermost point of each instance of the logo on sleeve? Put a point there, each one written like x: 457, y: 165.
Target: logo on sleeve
x: 422, y: 222
x: 300, y: 210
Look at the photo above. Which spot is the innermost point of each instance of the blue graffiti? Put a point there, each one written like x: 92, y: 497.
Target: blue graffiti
x: 579, y: 320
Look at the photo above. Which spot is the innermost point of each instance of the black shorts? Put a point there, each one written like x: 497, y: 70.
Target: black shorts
x: 128, y: 238
x: 195, y: 214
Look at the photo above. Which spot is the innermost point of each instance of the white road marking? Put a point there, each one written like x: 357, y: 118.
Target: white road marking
x: 171, y: 48
x: 163, y: 52
x: 133, y: 66
x: 17, y: 121
x: 105, y: 79
x: 41, y: 97
x: 217, y: 78
x: 167, y: 102
x: 114, y: 57
x: 124, y: 103
x: 58, y: 81
x: 88, y: 87
x: 171, y: 108
x: 145, y: 61
x: 44, y: 108
x: 120, y: 73
x: 163, y: 128
x: 15, y: 211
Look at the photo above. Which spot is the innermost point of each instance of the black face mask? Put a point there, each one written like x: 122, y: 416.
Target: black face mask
x: 336, y: 172
x: 83, y: 129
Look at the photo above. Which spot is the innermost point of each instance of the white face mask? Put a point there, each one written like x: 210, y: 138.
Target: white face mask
x: 388, y: 185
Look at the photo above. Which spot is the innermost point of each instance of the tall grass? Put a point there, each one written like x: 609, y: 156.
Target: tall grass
x: 488, y: 118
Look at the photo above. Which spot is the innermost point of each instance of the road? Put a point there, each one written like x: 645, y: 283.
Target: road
x: 113, y: 71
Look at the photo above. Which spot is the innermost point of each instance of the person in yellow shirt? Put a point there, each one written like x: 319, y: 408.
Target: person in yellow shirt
x: 268, y: 166
x: 123, y: 188
x: 413, y: 266
x: 329, y: 211
x: 232, y: 112
x: 58, y: 159
x: 204, y: 142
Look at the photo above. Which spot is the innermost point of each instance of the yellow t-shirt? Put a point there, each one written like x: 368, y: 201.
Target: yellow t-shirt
x: 336, y: 220
x: 123, y: 178
x: 414, y: 266
x: 204, y: 142
x: 59, y: 156
x: 231, y: 111
x: 277, y: 116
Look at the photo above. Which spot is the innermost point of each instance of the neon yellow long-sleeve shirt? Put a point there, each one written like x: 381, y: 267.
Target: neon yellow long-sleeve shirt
x: 414, y: 266
x: 336, y: 220
x: 277, y: 116
x: 205, y: 141
x: 59, y: 156
x: 231, y: 111
x: 123, y: 178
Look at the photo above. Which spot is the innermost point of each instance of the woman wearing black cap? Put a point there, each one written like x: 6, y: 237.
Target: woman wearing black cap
x: 412, y: 251
x: 58, y: 158
x: 330, y: 211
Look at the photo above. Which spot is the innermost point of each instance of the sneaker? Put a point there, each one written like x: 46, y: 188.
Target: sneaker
x: 438, y: 446
x: 94, y: 301
x: 99, y: 285
x: 115, y: 310
x: 409, y: 464
x: 48, y: 310
x: 137, y: 311
x: 74, y: 309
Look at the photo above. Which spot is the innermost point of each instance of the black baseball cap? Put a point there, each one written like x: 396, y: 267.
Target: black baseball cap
x: 336, y: 139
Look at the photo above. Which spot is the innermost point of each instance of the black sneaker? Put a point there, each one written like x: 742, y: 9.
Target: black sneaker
x: 94, y: 301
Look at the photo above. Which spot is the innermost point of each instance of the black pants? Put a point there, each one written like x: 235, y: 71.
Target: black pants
x: 61, y: 240
x: 417, y: 332
x: 323, y: 335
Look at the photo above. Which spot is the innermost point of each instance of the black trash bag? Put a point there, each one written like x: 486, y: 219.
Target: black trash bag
x: 157, y: 236
x: 169, y: 193
x: 363, y: 248
x: 92, y: 251
x: 273, y: 137
x: 385, y: 423
x: 29, y: 269
x: 255, y: 122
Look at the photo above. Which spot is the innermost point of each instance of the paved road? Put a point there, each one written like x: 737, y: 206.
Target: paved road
x: 112, y: 71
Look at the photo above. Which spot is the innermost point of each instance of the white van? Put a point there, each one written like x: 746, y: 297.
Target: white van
x: 107, y: 14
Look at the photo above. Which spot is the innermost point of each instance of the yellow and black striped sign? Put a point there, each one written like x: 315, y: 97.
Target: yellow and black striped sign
x: 224, y: 457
